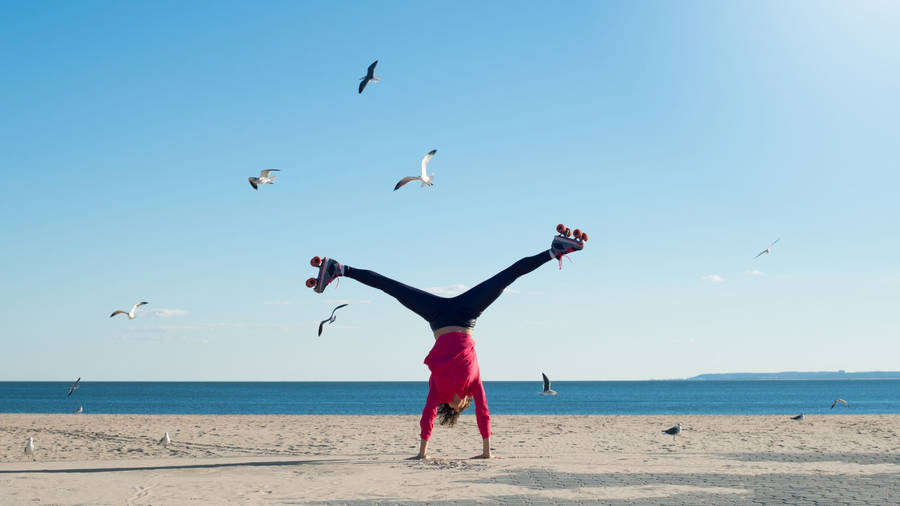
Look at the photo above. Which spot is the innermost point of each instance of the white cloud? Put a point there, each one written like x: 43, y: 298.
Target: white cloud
x: 715, y: 278
x: 755, y: 272
x: 448, y: 291
x: 167, y: 313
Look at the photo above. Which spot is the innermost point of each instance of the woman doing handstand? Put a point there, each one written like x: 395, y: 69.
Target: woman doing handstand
x: 455, y: 379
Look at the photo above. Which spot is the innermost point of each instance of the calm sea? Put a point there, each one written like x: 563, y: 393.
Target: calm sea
x: 504, y: 397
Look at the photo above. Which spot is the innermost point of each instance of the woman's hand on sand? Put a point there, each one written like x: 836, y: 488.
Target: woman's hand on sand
x: 485, y: 449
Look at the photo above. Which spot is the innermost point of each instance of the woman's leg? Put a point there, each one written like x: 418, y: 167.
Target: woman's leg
x: 478, y: 298
x: 422, y: 303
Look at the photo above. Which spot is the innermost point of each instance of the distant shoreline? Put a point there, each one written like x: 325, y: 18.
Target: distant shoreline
x: 797, y: 375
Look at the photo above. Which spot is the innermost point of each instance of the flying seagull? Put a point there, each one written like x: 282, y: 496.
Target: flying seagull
x: 426, y: 179
x: 842, y: 401
x: 673, y: 431
x: 263, y: 178
x: 798, y: 417
x: 79, y: 410
x: 73, y: 387
x: 165, y: 441
x: 29, y: 448
x: 370, y: 76
x: 767, y: 250
x: 547, y: 390
x: 130, y: 314
x: 330, y: 319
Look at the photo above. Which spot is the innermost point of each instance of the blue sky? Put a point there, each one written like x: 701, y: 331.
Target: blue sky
x: 683, y: 136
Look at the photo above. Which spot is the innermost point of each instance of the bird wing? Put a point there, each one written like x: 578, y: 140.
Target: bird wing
x: 761, y: 253
x: 363, y: 83
x: 427, y: 159
x: 71, y: 389
x: 773, y: 244
x: 76, y: 382
x: 134, y: 307
x: 546, y: 382
x: 265, y: 173
x: 321, y: 325
x: 335, y: 309
x: 404, y: 181
x: 253, y: 181
x: 370, y: 72
x: 118, y: 311
x: 833, y: 404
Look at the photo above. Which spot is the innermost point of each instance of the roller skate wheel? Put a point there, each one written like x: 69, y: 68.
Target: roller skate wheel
x: 584, y: 236
x: 560, y: 228
x: 311, y: 283
x: 577, y: 233
x: 315, y: 261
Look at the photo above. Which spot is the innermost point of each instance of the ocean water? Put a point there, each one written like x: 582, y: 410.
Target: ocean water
x: 504, y: 397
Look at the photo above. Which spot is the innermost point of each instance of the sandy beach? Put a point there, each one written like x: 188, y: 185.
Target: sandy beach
x: 220, y: 459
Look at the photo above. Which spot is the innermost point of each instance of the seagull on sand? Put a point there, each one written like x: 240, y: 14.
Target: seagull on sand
x: 426, y: 179
x: 130, y: 314
x: 547, y: 390
x: 263, y: 178
x: 79, y: 410
x: 673, y: 431
x: 165, y: 441
x: 370, y: 76
x: 798, y: 417
x: 73, y: 387
x: 842, y: 401
x: 767, y: 250
x: 29, y: 448
x: 330, y: 319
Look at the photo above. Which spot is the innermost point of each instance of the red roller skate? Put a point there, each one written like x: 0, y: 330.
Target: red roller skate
x: 566, y: 242
x: 329, y: 270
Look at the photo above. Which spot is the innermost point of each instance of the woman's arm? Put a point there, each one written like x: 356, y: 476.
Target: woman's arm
x: 426, y: 423
x: 482, y: 417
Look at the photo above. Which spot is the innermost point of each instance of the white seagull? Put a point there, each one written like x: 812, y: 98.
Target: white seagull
x: 130, y: 314
x: 165, y: 441
x: 547, y: 390
x: 263, y: 178
x: 79, y: 410
x: 330, y: 319
x: 767, y: 250
x: 370, y: 76
x: 426, y: 179
x: 29, y: 448
x: 842, y: 401
x: 673, y: 431
x: 73, y: 387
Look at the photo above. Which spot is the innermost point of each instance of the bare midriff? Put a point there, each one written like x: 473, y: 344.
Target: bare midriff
x: 450, y: 329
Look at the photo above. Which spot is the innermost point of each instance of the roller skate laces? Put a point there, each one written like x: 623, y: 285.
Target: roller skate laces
x: 568, y: 241
x: 329, y: 270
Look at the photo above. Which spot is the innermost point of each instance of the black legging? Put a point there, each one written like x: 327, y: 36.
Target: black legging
x: 461, y: 310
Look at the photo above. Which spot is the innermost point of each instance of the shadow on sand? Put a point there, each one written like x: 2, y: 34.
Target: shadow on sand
x: 270, y: 463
